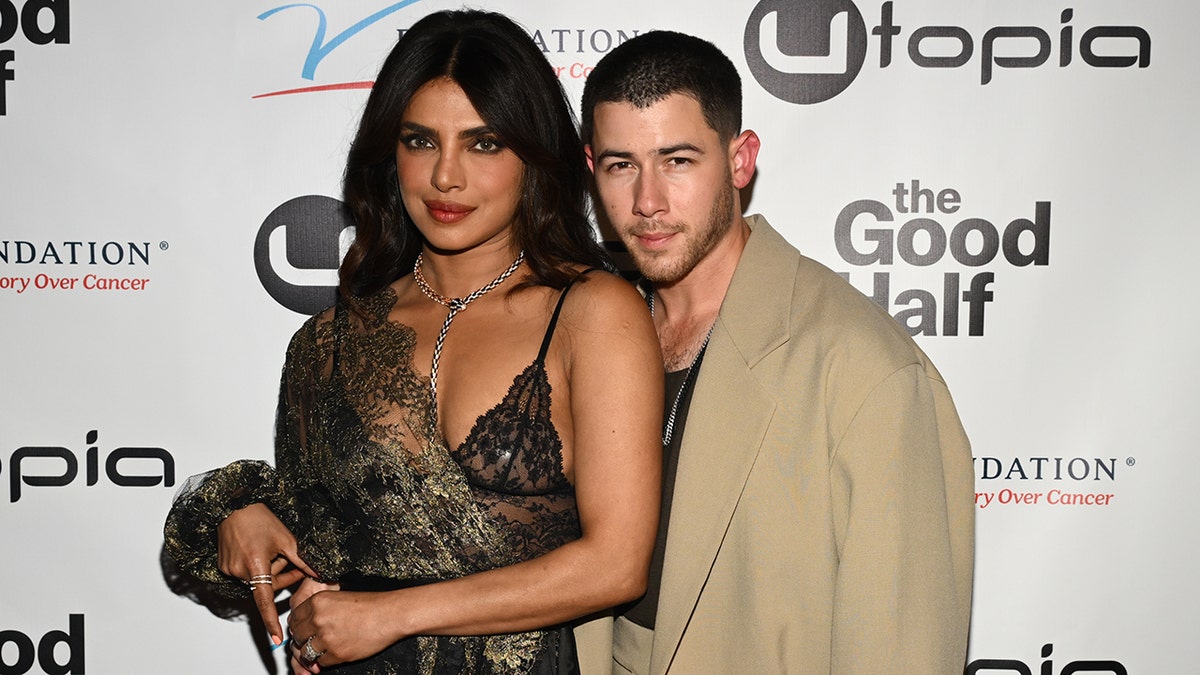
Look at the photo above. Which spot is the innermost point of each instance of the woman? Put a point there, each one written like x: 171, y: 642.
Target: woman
x: 467, y: 444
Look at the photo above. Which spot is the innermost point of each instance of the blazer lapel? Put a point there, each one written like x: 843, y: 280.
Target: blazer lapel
x: 727, y: 420
x: 717, y: 454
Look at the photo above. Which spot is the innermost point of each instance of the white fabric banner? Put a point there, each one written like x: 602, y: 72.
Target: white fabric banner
x: 1010, y: 179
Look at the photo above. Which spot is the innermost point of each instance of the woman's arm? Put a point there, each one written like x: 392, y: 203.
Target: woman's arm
x: 614, y: 369
x: 253, y: 543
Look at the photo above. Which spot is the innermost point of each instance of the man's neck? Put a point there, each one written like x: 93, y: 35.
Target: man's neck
x: 686, y: 309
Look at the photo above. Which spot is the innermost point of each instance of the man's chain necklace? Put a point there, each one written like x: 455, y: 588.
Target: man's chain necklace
x: 669, y: 424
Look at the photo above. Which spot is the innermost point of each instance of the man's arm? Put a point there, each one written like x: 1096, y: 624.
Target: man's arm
x: 903, y: 519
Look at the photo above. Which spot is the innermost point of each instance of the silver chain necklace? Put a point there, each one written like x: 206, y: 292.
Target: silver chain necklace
x: 456, y: 305
x: 669, y: 425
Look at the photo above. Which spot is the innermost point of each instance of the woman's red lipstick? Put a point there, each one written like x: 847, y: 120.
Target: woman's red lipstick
x: 448, y: 212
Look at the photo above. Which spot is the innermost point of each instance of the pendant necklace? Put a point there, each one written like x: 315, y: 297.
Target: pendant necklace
x: 455, y: 305
x: 669, y: 425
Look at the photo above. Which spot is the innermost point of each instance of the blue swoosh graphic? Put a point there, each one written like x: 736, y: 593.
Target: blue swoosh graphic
x: 320, y: 49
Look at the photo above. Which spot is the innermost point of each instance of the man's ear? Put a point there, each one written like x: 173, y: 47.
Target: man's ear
x: 587, y: 150
x: 743, y: 154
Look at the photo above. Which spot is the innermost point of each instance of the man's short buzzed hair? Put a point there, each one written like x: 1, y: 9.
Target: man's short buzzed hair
x: 650, y: 67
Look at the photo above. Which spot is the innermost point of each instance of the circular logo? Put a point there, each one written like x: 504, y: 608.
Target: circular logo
x: 298, y: 250
x: 805, y: 51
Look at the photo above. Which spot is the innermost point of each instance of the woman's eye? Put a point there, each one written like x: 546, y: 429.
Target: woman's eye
x: 488, y: 145
x: 415, y: 142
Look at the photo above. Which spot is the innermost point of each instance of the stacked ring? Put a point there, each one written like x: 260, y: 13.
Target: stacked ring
x: 260, y: 580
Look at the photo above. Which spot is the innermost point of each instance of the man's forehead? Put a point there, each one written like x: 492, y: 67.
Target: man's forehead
x: 668, y: 121
x: 676, y: 104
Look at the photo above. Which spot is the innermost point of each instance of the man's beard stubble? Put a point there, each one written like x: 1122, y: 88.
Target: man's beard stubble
x: 660, y: 269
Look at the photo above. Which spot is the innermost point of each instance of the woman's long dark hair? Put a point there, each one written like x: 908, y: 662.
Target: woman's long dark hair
x: 517, y: 94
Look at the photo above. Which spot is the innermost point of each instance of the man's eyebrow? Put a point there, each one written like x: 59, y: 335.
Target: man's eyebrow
x: 679, y: 147
x: 614, y: 154
x: 668, y: 150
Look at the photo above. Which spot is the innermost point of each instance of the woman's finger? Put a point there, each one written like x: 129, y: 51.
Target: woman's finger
x: 285, y: 576
x: 289, y: 551
x: 306, y: 654
x: 262, y: 586
x: 299, y: 667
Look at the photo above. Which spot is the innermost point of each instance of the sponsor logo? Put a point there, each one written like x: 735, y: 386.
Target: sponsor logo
x: 323, y: 44
x: 298, y: 250
x: 1047, y: 666
x: 56, y: 466
x: 46, y: 653
x: 41, y: 22
x: 56, y: 262
x: 580, y: 40
x: 1028, y: 475
x: 576, y: 44
x: 805, y: 52
x: 109, y: 253
x: 552, y: 41
x: 1076, y: 469
x: 864, y: 236
x: 809, y: 51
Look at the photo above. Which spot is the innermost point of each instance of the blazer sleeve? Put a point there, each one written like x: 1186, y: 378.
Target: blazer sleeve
x: 903, y: 518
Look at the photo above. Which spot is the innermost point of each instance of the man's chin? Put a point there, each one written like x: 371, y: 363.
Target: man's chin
x: 659, y: 271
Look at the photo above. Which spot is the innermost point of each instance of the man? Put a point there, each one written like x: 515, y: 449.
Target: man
x: 818, y: 496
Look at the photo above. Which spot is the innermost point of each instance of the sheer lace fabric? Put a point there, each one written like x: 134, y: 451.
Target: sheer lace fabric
x: 370, y: 489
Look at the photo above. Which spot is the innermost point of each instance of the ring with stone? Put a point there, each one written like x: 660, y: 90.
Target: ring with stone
x: 309, y: 654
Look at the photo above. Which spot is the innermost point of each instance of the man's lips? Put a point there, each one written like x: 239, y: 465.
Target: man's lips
x: 654, y: 240
x: 448, y: 212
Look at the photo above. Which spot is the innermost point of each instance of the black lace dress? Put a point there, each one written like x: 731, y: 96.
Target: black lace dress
x: 378, y: 501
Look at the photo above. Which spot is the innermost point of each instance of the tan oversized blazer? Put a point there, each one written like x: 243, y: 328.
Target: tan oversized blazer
x: 823, y: 514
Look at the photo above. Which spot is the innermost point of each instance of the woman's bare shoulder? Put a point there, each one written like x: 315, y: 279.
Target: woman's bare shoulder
x: 600, y: 298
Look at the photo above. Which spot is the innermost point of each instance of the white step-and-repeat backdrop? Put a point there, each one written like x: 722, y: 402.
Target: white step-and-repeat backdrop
x: 1014, y: 180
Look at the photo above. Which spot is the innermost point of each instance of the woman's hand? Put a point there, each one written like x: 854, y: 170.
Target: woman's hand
x: 307, y: 589
x: 339, y: 626
x: 255, y: 546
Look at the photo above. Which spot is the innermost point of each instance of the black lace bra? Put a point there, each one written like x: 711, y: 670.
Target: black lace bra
x: 514, y: 448
x: 511, y: 459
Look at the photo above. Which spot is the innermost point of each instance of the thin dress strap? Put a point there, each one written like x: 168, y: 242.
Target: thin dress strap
x: 541, y: 357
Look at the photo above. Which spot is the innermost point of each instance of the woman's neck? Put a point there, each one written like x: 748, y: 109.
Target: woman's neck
x: 458, y: 274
